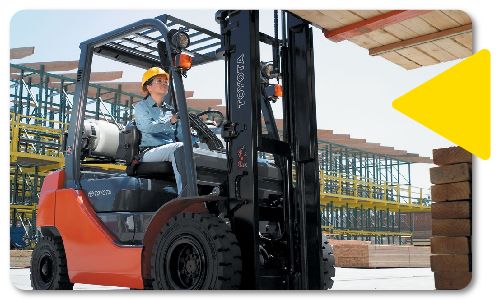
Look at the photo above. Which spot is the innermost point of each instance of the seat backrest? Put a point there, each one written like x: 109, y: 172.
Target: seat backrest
x: 132, y: 139
x: 154, y: 170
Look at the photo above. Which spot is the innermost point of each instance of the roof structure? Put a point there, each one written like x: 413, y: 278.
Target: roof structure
x: 408, y: 38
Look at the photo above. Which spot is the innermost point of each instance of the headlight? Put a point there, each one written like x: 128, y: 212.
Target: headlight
x: 180, y: 40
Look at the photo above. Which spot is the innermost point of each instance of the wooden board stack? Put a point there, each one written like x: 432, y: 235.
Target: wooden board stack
x: 362, y: 254
x: 451, y: 259
x: 20, y: 258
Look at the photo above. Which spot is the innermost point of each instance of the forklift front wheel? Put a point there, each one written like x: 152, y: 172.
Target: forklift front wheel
x: 48, y: 268
x: 196, y: 252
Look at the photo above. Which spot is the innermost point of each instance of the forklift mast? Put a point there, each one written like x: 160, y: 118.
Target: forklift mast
x: 301, y: 206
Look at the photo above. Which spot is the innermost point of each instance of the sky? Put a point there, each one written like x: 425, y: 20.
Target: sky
x: 354, y: 91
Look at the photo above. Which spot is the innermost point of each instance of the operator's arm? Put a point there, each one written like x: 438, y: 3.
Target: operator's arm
x: 146, y: 123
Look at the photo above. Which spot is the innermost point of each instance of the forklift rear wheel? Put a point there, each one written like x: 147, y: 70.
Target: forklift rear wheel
x: 49, y: 270
x: 328, y: 264
x: 196, y: 252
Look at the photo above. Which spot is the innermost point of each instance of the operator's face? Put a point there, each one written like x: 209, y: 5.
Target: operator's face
x: 159, y: 85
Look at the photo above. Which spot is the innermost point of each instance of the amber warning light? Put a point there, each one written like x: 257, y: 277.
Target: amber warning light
x: 278, y: 91
x: 183, y: 61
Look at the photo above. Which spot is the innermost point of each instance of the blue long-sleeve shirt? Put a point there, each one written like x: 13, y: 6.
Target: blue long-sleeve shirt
x: 154, y: 123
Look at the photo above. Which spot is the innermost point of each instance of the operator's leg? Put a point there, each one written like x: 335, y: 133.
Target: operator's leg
x: 179, y: 165
x: 173, y: 152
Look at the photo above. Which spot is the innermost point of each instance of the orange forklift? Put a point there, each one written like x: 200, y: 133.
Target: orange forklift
x: 246, y: 222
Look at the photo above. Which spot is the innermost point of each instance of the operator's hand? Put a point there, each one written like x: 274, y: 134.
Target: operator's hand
x: 173, y: 120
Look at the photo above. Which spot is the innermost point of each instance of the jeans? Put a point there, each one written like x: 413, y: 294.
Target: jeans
x: 173, y: 152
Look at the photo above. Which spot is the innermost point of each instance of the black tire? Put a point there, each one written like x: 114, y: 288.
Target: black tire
x: 49, y: 270
x: 196, y: 251
x: 328, y: 264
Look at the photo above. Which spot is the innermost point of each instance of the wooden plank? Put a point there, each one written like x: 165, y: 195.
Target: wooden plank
x: 451, y: 191
x: 436, y: 52
x: 410, y: 155
x: 20, y: 258
x: 400, y: 31
x: 340, y: 136
x: 365, y: 26
x: 454, y: 47
x: 367, y: 14
x: 451, y: 227
x: 451, y: 262
x: 451, y: 155
x: 354, y: 143
x: 386, y: 151
x: 450, y: 245
x: 432, y: 37
x: 440, y: 20
x: 50, y: 66
x: 365, y: 42
x: 203, y: 102
x: 424, y: 160
x: 399, y: 256
x: 459, y: 16
x: 383, y: 37
x: 451, y: 210
x: 22, y: 52
x: 418, y: 56
x: 452, y: 280
x: 400, y: 60
x: 451, y: 173
x: 419, y: 26
x: 343, y: 16
x: 464, y: 40
x: 324, y: 132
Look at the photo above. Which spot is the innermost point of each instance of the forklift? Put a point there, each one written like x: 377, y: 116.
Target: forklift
x: 245, y: 222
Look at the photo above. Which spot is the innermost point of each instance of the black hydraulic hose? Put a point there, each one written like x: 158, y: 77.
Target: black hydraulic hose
x: 205, y: 134
x: 212, y: 112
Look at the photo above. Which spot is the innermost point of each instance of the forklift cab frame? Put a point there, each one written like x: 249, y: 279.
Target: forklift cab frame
x: 101, y: 44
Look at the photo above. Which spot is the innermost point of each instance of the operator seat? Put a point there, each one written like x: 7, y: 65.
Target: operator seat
x: 152, y: 170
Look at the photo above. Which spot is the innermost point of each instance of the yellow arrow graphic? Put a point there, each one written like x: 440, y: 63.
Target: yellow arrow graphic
x: 455, y: 104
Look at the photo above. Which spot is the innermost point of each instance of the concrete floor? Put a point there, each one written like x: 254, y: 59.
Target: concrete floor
x: 345, y: 279
x: 383, y: 279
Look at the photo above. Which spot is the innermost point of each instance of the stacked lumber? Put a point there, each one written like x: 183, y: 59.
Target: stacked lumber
x: 20, y: 258
x: 392, y: 256
x: 350, y: 254
x: 361, y: 254
x: 451, y: 210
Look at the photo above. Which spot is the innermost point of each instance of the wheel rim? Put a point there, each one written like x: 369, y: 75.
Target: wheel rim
x: 185, y: 263
x: 46, y: 270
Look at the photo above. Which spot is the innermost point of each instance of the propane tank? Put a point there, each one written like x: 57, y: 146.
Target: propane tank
x: 103, y: 138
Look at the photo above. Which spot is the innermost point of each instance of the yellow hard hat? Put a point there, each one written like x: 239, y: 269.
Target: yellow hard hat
x: 150, y: 73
